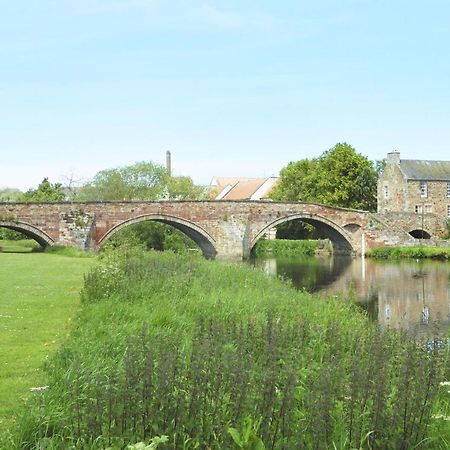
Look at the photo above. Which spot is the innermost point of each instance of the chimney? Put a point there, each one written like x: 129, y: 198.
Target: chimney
x: 393, y: 157
x: 168, y: 163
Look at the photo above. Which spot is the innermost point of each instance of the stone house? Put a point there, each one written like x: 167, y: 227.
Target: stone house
x: 414, y: 186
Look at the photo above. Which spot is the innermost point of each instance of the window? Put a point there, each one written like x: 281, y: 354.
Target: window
x: 418, y: 209
x: 448, y: 210
x: 423, y: 189
x: 386, y: 191
x: 448, y: 188
x: 428, y: 209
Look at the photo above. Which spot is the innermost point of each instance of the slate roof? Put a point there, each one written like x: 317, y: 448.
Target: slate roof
x: 425, y: 170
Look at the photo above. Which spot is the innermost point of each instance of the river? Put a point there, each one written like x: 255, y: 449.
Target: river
x: 408, y: 294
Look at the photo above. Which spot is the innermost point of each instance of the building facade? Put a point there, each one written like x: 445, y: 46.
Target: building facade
x: 414, y: 186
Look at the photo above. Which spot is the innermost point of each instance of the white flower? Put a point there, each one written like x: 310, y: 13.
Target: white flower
x: 444, y: 383
x: 39, y: 389
x: 441, y: 416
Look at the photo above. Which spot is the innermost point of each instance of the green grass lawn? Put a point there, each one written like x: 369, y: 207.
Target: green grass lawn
x: 19, y: 246
x: 39, y: 296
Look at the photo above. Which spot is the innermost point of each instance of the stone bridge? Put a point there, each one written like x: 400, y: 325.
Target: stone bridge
x: 222, y: 229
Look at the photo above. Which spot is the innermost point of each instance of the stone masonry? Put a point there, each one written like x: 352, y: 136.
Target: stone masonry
x: 222, y: 229
x: 414, y: 186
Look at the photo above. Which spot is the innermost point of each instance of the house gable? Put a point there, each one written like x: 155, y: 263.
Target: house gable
x: 414, y: 186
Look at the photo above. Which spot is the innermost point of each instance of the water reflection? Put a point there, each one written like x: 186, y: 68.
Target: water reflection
x: 412, y: 295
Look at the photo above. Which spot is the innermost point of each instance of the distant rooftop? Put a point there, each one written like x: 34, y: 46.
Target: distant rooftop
x: 232, y: 188
x: 425, y: 170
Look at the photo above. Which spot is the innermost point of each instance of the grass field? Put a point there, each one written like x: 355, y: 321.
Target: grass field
x: 20, y: 246
x: 39, y: 295
x: 209, y: 355
x: 212, y: 355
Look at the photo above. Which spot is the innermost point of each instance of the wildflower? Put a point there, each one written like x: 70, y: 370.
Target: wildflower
x: 441, y: 416
x: 39, y: 389
x: 444, y: 383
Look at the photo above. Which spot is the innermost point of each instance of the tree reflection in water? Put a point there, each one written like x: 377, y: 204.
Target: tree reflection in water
x: 410, y: 295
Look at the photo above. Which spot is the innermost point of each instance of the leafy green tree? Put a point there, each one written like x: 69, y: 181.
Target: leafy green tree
x: 45, y: 192
x: 183, y: 188
x: 140, y: 181
x: 143, y: 181
x: 10, y: 195
x: 296, y: 181
x: 339, y: 177
x: 347, y: 179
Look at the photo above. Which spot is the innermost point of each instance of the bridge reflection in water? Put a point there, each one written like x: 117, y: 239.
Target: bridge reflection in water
x: 409, y: 295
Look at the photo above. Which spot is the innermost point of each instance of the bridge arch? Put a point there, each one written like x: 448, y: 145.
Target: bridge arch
x: 29, y: 231
x: 419, y: 233
x: 342, y: 242
x: 200, y: 236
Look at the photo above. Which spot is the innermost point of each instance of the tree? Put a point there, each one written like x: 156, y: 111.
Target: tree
x: 10, y: 195
x: 296, y: 181
x: 143, y: 181
x: 339, y: 177
x: 140, y: 181
x: 183, y: 188
x: 45, y: 192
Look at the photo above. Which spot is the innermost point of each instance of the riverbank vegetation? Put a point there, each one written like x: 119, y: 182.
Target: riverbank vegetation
x: 419, y: 252
x: 220, y: 356
x: 39, y: 296
x: 290, y: 247
x: 18, y: 245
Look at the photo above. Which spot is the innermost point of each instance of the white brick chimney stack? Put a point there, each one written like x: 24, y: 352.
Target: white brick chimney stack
x: 168, y: 163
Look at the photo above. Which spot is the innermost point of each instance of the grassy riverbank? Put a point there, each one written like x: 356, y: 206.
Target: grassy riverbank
x: 38, y: 297
x: 18, y: 246
x: 288, y: 247
x: 440, y: 253
x: 211, y: 354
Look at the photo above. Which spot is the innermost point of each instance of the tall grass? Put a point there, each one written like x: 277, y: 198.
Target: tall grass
x: 287, y: 247
x: 441, y: 253
x: 210, y: 354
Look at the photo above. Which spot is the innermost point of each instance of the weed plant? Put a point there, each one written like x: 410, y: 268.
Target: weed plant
x: 220, y: 357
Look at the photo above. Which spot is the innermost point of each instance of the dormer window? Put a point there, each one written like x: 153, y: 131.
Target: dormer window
x: 423, y: 189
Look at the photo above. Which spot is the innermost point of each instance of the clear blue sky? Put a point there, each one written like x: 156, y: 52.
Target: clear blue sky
x: 232, y: 88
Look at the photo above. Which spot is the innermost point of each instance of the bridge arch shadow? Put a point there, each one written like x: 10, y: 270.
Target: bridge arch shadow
x: 420, y: 234
x: 340, y: 238
x: 30, y: 231
x: 200, y: 236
